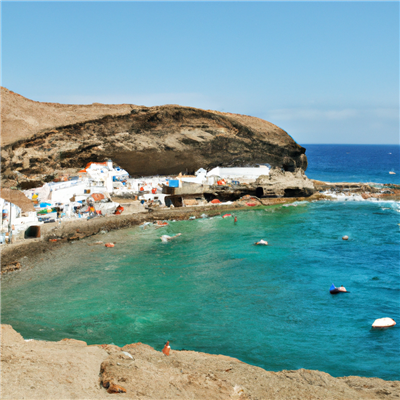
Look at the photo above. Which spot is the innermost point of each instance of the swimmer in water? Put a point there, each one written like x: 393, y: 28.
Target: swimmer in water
x: 235, y: 220
x: 262, y: 242
x: 166, y: 238
x: 335, y: 290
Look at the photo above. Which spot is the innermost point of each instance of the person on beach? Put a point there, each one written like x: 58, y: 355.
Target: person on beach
x: 262, y: 242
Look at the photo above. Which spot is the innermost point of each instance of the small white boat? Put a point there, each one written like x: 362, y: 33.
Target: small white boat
x: 392, y: 173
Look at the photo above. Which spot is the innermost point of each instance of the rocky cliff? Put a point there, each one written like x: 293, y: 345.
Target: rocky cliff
x: 40, y: 138
x: 69, y: 369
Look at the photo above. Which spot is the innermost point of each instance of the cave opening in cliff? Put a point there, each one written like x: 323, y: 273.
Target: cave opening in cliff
x: 289, y: 167
x: 226, y: 196
x: 264, y: 192
x: 259, y: 192
x: 176, y: 201
x: 294, y: 193
x: 32, y: 232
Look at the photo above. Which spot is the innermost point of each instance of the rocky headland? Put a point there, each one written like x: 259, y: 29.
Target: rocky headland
x: 70, y: 369
x: 40, y: 139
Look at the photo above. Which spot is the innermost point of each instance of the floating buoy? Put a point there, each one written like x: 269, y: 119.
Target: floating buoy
x: 166, y: 349
x: 109, y: 245
x: 227, y: 215
x: 383, y: 323
x: 345, y: 237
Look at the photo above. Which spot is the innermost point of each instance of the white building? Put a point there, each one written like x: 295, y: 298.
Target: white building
x: 250, y: 173
x: 107, y: 173
x: 17, y: 214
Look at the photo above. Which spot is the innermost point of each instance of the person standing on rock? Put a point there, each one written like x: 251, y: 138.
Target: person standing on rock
x: 166, y: 349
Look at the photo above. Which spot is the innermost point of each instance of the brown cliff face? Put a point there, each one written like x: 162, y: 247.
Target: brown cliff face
x: 39, y: 138
x: 21, y: 118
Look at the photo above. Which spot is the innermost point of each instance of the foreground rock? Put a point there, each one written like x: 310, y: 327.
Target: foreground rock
x: 49, y: 370
x: 41, y: 138
x: 70, y: 369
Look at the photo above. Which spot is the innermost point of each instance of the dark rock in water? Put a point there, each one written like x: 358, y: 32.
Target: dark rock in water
x: 375, y: 278
x: 143, y: 140
x: 11, y: 267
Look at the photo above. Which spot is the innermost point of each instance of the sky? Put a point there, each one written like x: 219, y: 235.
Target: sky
x: 325, y: 72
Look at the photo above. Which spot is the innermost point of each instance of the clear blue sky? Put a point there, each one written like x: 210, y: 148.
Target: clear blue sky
x: 326, y: 72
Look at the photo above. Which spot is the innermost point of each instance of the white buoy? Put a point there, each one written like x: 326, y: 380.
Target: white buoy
x: 345, y: 237
x: 383, y: 323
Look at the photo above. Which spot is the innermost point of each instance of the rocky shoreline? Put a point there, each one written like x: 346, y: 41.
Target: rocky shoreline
x: 70, y: 369
x: 12, y: 255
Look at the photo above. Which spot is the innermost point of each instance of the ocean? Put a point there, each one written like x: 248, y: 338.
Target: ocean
x: 212, y: 290
x: 353, y: 163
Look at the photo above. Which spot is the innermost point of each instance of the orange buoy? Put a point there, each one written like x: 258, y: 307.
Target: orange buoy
x: 109, y: 245
x: 166, y: 349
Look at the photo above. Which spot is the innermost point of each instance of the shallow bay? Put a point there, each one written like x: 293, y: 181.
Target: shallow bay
x: 213, y: 291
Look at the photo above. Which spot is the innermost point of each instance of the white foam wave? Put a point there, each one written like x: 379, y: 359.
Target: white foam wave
x: 358, y: 197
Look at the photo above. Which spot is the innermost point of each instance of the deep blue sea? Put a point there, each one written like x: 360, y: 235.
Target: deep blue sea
x: 353, y: 163
x: 213, y: 291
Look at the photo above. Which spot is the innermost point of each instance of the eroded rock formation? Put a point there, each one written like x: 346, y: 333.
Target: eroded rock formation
x: 284, y: 184
x: 143, y: 140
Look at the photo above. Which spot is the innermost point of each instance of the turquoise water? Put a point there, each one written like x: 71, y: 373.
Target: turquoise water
x: 212, y: 290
